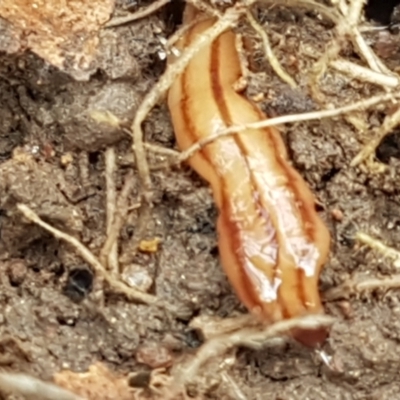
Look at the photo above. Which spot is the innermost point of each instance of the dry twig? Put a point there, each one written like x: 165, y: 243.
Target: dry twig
x: 353, y: 286
x: 358, y: 106
x: 346, y: 22
x: 376, y: 244
x: 234, y: 388
x: 107, y: 117
x: 120, y: 214
x: 271, y: 57
x: 332, y: 49
x: 111, y: 197
x: 28, y: 386
x: 87, y: 255
x: 253, y: 337
x: 391, y: 121
x: 211, y: 327
x: 349, y: 26
x: 364, y: 74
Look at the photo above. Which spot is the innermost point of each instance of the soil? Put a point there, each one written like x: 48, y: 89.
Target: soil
x: 52, y: 159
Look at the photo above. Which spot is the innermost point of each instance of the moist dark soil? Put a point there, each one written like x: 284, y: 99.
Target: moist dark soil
x: 52, y: 159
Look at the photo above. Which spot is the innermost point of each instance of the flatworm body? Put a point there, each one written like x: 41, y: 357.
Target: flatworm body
x: 272, y: 242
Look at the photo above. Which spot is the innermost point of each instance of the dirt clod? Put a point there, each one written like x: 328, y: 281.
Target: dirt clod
x: 64, y: 34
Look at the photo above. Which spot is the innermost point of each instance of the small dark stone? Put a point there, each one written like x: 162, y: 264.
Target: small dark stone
x: 389, y: 147
x: 381, y: 11
x: 192, y: 339
x: 79, y: 284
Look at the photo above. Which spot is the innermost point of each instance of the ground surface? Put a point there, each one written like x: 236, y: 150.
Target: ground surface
x: 58, y: 170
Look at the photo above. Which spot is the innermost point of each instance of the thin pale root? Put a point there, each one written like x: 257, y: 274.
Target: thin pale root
x: 87, y: 255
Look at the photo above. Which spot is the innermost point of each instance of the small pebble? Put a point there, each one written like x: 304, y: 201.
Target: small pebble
x: 17, y: 271
x: 137, y: 277
x: 154, y: 354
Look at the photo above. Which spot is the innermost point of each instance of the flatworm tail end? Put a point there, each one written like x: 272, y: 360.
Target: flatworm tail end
x: 312, y: 338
